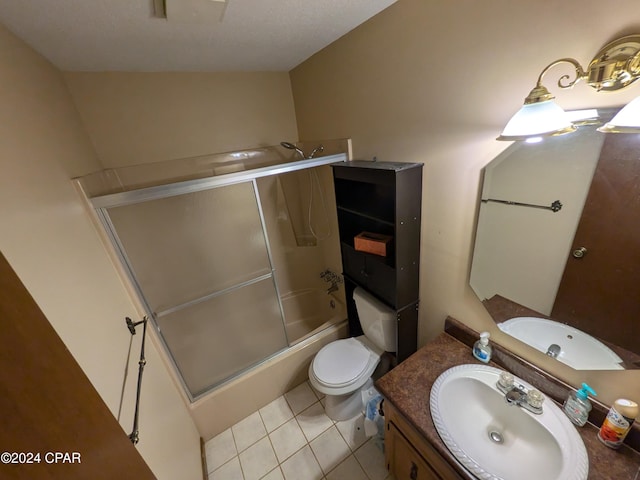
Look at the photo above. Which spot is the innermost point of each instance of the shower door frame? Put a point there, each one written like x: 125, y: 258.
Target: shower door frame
x: 101, y: 204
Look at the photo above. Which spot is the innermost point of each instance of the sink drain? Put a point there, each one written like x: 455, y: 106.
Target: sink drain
x: 496, y: 437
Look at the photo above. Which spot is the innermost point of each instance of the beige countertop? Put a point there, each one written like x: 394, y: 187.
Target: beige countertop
x: 408, y: 387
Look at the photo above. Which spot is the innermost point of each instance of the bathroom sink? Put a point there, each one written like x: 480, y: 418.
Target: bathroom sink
x: 577, y: 349
x: 495, y: 440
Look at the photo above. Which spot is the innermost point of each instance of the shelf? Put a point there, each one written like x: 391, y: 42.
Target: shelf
x: 367, y: 216
x: 382, y: 198
x: 388, y: 260
x: 367, y: 199
x: 352, y: 224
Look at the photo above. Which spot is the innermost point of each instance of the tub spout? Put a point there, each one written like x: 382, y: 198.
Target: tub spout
x: 333, y: 288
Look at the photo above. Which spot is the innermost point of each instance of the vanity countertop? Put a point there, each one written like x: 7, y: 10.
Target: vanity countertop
x: 408, y: 386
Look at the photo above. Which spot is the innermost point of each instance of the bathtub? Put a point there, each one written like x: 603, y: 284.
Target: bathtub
x: 308, y: 311
x: 313, y: 318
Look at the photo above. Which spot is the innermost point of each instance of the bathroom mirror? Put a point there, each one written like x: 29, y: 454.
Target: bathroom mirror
x: 558, y: 238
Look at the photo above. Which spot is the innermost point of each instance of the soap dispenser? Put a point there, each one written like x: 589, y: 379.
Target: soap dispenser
x: 481, y: 349
x: 577, y: 405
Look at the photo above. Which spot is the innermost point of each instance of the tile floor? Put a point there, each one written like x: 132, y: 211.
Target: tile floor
x: 293, y: 439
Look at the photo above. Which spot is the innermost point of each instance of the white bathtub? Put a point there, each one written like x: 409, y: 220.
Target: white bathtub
x: 234, y: 401
x: 309, y: 311
x: 317, y: 318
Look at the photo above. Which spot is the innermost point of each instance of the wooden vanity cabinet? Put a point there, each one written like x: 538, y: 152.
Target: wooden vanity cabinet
x: 408, y: 456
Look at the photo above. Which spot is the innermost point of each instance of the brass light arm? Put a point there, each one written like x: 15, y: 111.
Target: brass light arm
x: 580, y: 73
x: 540, y: 92
x: 614, y: 67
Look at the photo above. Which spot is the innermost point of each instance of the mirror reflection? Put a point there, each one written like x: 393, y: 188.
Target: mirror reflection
x: 558, y: 238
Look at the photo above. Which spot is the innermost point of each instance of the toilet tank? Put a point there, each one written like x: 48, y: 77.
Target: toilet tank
x: 378, y: 321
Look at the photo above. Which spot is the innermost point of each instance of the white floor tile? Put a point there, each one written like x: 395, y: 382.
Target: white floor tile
x: 219, y: 450
x: 258, y: 460
x: 275, y: 414
x: 371, y: 457
x: 287, y: 439
x: 272, y: 444
x: 353, y: 432
x: 300, y: 397
x: 330, y: 449
x: 350, y: 469
x: 302, y: 465
x: 275, y: 474
x: 229, y: 471
x: 313, y: 421
x: 320, y: 395
x: 248, y: 431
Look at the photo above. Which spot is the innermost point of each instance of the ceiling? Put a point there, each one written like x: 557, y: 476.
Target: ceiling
x: 196, y: 35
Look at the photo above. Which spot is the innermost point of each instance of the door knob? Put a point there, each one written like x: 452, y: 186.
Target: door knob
x: 579, y: 252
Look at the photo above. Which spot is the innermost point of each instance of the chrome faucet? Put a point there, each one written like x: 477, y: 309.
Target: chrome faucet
x: 333, y: 278
x: 516, y: 394
x: 554, y: 350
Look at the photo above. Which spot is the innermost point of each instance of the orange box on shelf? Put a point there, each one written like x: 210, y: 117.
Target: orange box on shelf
x: 372, y: 243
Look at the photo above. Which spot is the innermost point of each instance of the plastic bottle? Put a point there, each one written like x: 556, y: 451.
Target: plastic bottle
x: 577, y: 405
x: 618, y: 422
x: 481, y: 349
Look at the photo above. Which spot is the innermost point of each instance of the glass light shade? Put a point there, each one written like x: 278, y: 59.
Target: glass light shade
x: 541, y: 119
x: 626, y: 120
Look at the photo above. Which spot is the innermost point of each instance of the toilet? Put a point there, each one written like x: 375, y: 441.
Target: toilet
x: 342, y: 369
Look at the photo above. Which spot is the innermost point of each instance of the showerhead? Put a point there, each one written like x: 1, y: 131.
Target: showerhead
x: 291, y: 146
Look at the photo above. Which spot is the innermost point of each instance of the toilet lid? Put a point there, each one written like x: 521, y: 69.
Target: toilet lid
x: 341, y: 362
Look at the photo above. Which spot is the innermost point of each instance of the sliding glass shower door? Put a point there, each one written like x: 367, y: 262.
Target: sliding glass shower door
x: 200, y: 262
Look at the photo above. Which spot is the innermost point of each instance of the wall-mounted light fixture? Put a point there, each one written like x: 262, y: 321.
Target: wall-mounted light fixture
x: 615, y: 66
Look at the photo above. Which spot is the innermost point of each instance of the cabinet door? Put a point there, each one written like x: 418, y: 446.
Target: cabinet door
x: 354, y: 265
x: 404, y: 461
x: 381, y: 279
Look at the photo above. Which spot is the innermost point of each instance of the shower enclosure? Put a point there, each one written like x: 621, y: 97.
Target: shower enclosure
x: 225, y: 253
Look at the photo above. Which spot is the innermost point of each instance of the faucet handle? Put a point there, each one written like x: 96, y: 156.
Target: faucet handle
x: 506, y: 380
x: 535, y: 398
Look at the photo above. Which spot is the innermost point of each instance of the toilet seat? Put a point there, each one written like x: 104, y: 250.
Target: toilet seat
x: 342, y: 366
x: 340, y: 363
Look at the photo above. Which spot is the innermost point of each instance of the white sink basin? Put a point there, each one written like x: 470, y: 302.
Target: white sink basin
x: 577, y: 349
x: 495, y: 440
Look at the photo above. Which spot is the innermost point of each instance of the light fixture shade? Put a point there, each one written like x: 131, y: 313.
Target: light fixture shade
x: 626, y: 120
x: 541, y: 119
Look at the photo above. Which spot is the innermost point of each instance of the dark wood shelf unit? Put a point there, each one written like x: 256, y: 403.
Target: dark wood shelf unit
x: 383, y: 198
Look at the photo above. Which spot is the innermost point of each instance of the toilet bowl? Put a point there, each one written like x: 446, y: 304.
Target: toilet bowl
x: 343, y: 368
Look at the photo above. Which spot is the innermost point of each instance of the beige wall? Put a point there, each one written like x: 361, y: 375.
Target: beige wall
x: 299, y: 267
x: 435, y: 82
x: 137, y: 118
x: 49, y: 240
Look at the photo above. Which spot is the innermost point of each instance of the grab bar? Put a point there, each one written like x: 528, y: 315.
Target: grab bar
x: 134, y: 436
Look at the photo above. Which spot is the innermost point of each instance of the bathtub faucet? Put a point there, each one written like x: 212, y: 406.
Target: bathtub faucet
x: 333, y: 278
